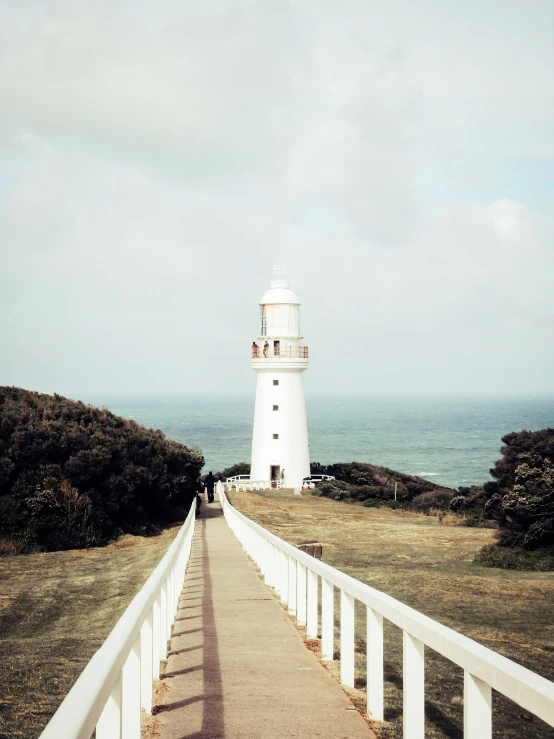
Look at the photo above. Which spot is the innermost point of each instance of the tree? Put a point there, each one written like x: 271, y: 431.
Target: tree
x: 72, y: 475
x: 521, y: 498
x: 526, y: 512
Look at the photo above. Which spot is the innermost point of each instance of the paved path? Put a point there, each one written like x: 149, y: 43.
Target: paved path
x: 237, y: 666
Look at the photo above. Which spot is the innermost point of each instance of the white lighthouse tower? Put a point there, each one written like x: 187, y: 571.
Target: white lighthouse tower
x: 280, y: 438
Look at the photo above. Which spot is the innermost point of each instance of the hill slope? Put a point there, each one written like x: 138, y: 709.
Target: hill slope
x: 362, y: 481
x: 74, y: 476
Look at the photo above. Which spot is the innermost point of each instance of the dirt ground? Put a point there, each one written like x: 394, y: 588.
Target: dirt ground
x: 427, y: 565
x: 56, y: 609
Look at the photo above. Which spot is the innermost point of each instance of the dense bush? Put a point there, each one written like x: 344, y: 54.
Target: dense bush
x: 515, y: 558
x: 372, y: 481
x: 374, y: 486
x: 470, y: 502
x: 240, y: 468
x: 335, y: 489
x: 517, y: 446
x: 379, y: 503
x: 470, y: 499
x: 76, y: 476
x: 521, y: 498
x: 438, y: 499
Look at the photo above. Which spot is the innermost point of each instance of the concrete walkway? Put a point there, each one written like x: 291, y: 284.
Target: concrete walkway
x: 237, y: 666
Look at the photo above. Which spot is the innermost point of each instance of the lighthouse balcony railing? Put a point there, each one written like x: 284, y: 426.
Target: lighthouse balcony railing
x: 116, y: 685
x: 285, y: 352
x: 299, y: 579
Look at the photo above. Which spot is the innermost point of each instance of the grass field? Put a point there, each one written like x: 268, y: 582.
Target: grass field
x: 56, y: 609
x: 427, y: 565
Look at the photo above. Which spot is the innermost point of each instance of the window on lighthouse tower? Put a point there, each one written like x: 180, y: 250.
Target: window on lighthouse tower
x: 264, y: 321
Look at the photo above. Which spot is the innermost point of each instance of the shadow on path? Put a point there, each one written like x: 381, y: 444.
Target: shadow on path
x: 211, y: 697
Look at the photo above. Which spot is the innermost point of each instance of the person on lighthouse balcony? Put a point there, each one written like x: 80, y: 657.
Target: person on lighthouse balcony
x: 266, y: 349
x: 255, y: 350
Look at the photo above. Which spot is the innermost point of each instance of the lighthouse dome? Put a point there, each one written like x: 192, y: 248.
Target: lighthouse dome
x: 279, y: 292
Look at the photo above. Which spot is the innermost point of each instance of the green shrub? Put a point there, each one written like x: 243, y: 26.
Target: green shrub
x: 334, y: 489
x: 525, y: 511
x: 374, y: 486
x: 437, y: 499
x: 378, y: 503
x: 240, y: 468
x: 508, y: 558
x: 373, y: 481
x: 469, y: 499
x: 72, y: 475
x: 374, y: 503
x: 521, y: 497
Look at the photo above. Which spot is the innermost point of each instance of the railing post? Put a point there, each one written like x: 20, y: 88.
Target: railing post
x: 414, y: 687
x: 169, y: 591
x: 477, y: 708
x: 163, y: 622
x: 276, y: 562
x: 312, y: 615
x: 146, y: 653
x: 130, y: 694
x: 292, y: 586
x: 346, y: 639
x: 300, y: 594
x: 374, y: 646
x: 327, y: 620
x: 264, y: 549
x: 109, y: 723
x: 284, y: 589
x: 263, y: 557
x: 175, y: 590
x: 156, y: 638
x: 260, y: 559
x: 268, y: 563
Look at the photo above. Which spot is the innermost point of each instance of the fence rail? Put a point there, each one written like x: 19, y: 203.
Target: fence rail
x: 117, y: 682
x: 243, y: 482
x: 296, y: 577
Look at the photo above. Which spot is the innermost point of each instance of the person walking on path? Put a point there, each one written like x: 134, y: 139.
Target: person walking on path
x: 210, y: 484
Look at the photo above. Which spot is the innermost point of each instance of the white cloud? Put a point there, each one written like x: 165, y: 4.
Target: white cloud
x: 159, y: 159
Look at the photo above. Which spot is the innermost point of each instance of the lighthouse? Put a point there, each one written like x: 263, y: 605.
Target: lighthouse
x: 280, y: 436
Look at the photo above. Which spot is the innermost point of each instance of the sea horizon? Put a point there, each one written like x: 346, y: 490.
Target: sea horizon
x: 452, y: 440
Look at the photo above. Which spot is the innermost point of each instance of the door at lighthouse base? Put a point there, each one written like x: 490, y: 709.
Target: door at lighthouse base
x: 275, y: 474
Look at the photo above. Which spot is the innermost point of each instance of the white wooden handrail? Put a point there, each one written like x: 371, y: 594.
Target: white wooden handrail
x: 295, y: 575
x: 245, y: 483
x: 117, y: 682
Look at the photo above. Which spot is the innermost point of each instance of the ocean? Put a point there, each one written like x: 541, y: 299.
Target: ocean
x: 450, y: 441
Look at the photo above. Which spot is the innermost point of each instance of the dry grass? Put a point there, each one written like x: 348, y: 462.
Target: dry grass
x: 8, y: 546
x: 447, y: 518
x: 56, y: 609
x: 149, y: 727
x: 427, y: 565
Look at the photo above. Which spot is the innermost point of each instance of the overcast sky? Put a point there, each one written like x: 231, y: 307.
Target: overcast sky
x: 157, y: 158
